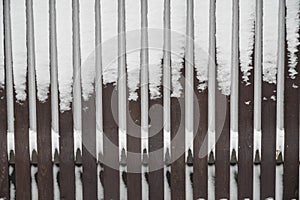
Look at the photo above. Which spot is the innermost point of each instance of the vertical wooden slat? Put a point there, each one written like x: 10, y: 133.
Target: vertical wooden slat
x: 200, y: 132
x: 111, y: 179
x: 66, y: 156
x: 22, y: 158
x: 178, y: 146
x: 43, y: 118
x: 268, y: 141
x: 4, y: 182
x: 223, y: 128
x: 245, y: 156
x: 134, y: 177
x: 89, y: 155
x: 222, y: 149
x: 245, y: 128
x: 23, y: 184
x: 156, y: 153
x: 89, y: 164
x: 291, y: 127
x: 45, y: 175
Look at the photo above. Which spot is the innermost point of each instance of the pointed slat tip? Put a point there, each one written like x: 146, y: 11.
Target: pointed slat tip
x: 257, y: 160
x: 78, y: 158
x: 56, y: 158
x: 123, y: 161
x: 34, y: 158
x: 211, y: 159
x: 233, y: 158
x: 11, y: 157
x: 167, y: 157
x: 145, y: 159
x: 279, y: 159
x: 190, y: 159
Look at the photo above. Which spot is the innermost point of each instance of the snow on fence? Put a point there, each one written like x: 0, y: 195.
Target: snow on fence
x: 168, y: 99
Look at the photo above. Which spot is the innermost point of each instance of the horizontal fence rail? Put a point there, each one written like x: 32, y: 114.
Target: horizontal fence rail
x: 181, y: 136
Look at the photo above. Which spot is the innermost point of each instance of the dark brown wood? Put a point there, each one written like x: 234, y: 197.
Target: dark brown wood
x: 291, y: 127
x: 200, y: 132
x: 45, y: 172
x: 156, y: 153
x: 66, y: 156
x: 111, y: 181
x: 177, y: 149
x: 89, y: 163
x: 222, y: 150
x: 4, y: 182
x: 134, y: 177
x: 268, y: 160
x: 245, y: 130
x: 22, y: 161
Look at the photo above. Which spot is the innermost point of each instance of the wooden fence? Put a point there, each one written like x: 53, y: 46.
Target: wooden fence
x: 226, y: 171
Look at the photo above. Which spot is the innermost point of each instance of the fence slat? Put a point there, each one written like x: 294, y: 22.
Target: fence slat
x: 89, y: 177
x: 4, y: 183
x: 245, y: 130
x: 111, y: 179
x: 222, y: 151
x: 177, y: 149
x: 200, y: 132
x: 134, y: 181
x: 45, y: 174
x: 66, y: 156
x: 22, y: 160
x: 268, y: 141
x: 156, y: 154
x: 291, y: 127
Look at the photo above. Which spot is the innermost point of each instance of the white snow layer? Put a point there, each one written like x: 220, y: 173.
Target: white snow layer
x: 201, y: 29
x: 155, y: 18
x: 178, y: 27
x: 223, y: 39
x: 270, y: 37
x: 292, y: 31
x: 247, y: 17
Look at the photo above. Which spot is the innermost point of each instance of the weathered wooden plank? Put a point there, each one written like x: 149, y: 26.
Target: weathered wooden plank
x: 177, y: 149
x: 245, y: 130
x: 89, y: 162
x: 4, y: 182
x: 66, y: 156
x: 222, y: 149
x: 22, y: 161
x: 4, y: 171
x: 291, y: 127
x: 156, y: 153
x: 111, y: 181
x: 200, y: 146
x: 268, y: 144
x: 134, y: 177
x: 45, y: 172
